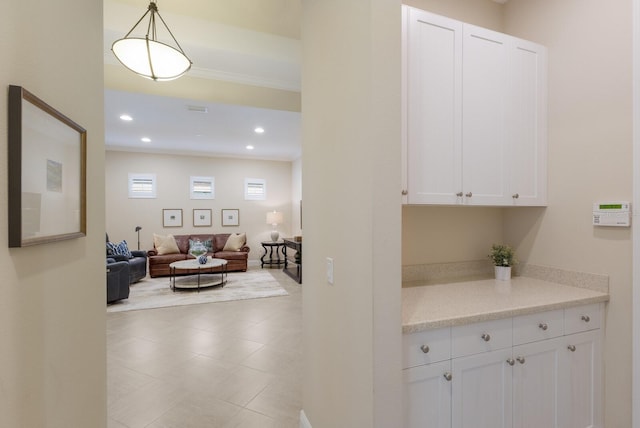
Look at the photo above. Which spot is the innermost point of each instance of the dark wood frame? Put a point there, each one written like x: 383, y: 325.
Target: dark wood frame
x: 18, y: 96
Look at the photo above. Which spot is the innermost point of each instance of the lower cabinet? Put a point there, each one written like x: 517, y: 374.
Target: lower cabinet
x: 554, y: 380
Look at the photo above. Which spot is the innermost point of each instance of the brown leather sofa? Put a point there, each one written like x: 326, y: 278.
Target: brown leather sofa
x: 236, y: 260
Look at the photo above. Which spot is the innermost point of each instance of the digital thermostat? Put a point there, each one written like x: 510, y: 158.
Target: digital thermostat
x: 612, y: 214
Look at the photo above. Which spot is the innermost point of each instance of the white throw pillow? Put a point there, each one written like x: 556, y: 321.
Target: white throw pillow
x: 165, y: 244
x: 235, y: 242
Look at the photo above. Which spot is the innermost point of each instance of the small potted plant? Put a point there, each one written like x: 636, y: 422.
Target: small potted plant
x: 503, y: 257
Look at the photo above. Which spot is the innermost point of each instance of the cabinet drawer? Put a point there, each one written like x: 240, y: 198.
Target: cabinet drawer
x: 582, y: 318
x: 426, y: 347
x: 540, y: 326
x: 481, y: 337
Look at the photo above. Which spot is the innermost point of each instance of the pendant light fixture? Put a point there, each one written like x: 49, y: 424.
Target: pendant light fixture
x: 149, y: 57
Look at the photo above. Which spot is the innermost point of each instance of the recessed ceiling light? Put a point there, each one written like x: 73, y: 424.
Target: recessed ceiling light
x: 250, y: 147
x: 259, y: 130
x: 126, y: 118
x: 145, y: 139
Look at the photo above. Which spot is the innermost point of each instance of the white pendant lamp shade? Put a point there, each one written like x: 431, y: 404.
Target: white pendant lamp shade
x: 149, y: 57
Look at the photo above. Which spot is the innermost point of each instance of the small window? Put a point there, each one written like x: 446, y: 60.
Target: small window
x: 202, y: 188
x: 255, y: 189
x: 142, y: 185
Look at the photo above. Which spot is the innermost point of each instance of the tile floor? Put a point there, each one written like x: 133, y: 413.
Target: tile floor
x: 229, y: 365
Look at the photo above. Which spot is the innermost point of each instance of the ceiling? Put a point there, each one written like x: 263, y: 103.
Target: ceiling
x: 245, y: 73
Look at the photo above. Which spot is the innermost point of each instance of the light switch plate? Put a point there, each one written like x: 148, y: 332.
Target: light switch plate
x: 330, y: 270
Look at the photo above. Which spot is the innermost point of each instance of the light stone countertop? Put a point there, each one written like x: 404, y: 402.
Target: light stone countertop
x: 457, y: 303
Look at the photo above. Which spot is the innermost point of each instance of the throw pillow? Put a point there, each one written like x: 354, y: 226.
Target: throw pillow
x: 235, y: 242
x: 208, y: 244
x: 120, y: 248
x: 165, y: 244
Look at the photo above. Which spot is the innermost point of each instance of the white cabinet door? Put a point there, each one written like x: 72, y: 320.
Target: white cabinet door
x: 536, y: 384
x: 527, y: 123
x: 434, y: 96
x: 485, y: 100
x: 582, y: 399
x: 482, y: 390
x: 427, y: 397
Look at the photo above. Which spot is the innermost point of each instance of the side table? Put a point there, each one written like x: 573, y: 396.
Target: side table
x: 274, y: 259
x: 293, y: 260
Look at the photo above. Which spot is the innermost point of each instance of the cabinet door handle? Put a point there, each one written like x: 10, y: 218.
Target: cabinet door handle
x: 448, y: 376
x: 571, y: 348
x: 520, y: 359
x: 404, y: 193
x: 459, y: 194
x: 585, y: 318
x: 515, y: 196
x: 425, y: 349
x: 468, y: 195
x: 510, y: 361
x: 543, y: 326
x: 486, y: 337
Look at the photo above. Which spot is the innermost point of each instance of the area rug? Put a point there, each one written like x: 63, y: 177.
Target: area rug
x: 156, y: 293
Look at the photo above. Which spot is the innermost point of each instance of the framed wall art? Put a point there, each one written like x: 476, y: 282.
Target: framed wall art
x: 201, y: 217
x: 231, y: 217
x: 46, y: 168
x: 172, y: 217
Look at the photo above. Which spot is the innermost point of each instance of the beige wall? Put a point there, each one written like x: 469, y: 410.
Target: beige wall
x: 484, y: 13
x: 52, y: 311
x: 590, y: 154
x: 296, y: 196
x: 172, y: 175
x: 351, y: 186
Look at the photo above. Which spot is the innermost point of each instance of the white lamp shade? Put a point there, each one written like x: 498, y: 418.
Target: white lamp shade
x: 151, y: 59
x: 274, y: 218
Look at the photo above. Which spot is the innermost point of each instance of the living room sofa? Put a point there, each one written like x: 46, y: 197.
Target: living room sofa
x: 236, y: 260
x: 117, y: 280
x: 136, y: 259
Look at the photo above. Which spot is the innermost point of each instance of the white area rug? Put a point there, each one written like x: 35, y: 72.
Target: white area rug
x: 156, y: 293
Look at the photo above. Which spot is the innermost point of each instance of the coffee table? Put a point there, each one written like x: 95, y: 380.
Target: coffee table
x: 192, y: 264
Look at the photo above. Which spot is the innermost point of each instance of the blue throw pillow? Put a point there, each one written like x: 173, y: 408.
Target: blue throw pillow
x: 120, y: 248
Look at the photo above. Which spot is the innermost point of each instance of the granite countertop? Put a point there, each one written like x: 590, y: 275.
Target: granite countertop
x: 456, y: 303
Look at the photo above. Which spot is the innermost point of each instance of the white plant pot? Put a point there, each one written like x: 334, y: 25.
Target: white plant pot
x: 503, y: 273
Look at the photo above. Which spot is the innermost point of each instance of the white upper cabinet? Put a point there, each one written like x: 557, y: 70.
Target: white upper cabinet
x: 434, y: 109
x: 475, y: 114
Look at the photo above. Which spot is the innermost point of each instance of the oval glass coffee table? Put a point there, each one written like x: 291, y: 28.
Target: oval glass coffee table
x: 188, y: 281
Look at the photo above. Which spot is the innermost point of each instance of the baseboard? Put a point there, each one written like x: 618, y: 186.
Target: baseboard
x: 304, y: 422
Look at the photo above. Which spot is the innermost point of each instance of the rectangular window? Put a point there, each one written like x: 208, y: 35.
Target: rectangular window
x: 142, y: 186
x: 255, y: 189
x: 202, y: 187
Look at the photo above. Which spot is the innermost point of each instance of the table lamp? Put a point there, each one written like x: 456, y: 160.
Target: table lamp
x: 274, y: 218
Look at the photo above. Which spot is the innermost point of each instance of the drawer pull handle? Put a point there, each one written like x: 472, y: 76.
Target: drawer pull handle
x: 510, y: 361
x: 468, y: 195
x: 448, y: 376
x: 459, y: 194
x: 571, y: 348
x: 543, y: 326
x: 486, y: 337
x: 404, y: 193
x: 585, y: 318
x: 520, y: 360
x: 515, y: 196
x: 425, y: 349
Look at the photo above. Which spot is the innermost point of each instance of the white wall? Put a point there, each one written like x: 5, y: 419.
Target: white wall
x: 351, y: 212
x: 52, y: 310
x: 590, y: 160
x: 172, y: 175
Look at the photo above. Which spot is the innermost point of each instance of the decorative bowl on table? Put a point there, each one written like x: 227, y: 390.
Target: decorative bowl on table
x: 203, y: 259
